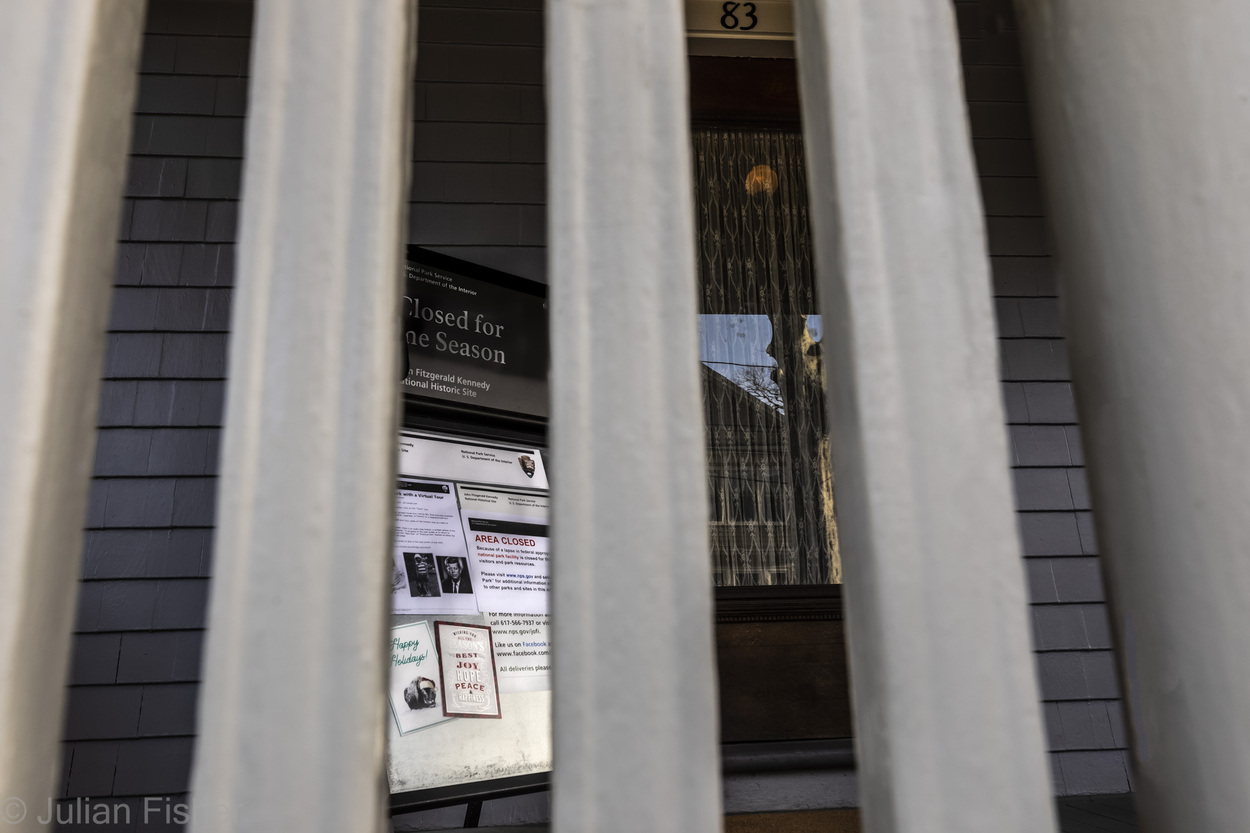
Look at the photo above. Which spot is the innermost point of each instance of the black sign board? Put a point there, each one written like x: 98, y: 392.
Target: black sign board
x: 474, y: 336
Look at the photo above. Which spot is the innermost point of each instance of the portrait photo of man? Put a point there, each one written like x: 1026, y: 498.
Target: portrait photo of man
x: 455, y: 574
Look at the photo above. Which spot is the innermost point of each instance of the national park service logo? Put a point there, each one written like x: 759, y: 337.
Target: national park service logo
x: 527, y: 465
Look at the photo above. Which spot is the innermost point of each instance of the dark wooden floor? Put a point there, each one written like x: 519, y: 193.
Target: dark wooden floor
x: 1098, y: 814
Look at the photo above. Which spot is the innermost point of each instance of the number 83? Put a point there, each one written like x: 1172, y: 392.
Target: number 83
x: 729, y: 20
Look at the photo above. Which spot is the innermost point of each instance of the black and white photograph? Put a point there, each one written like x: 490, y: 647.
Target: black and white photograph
x: 422, y: 577
x: 421, y: 693
x: 454, y: 574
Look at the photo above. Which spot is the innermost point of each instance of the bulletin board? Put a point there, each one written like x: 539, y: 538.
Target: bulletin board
x: 469, y: 692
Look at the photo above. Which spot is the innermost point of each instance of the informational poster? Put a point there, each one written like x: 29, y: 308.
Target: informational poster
x: 430, y: 571
x: 522, y: 650
x: 474, y: 341
x: 490, y: 555
x: 470, y: 685
x: 416, y: 694
x: 509, y: 548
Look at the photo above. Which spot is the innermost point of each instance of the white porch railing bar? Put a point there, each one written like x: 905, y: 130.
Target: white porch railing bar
x: 67, y: 88
x: 947, y: 721
x: 1143, y: 120
x: 635, y: 692
x: 291, y: 731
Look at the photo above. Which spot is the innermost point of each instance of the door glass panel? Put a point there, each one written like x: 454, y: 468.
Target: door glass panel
x: 760, y: 340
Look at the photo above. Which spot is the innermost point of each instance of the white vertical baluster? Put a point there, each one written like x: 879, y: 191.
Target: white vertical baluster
x: 291, y: 732
x: 67, y: 88
x: 635, y: 697
x: 948, y: 726
x: 1143, y: 113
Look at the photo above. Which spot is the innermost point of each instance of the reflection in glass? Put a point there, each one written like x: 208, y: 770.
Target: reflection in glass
x: 770, y: 479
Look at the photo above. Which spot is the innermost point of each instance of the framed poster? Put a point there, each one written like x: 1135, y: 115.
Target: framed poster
x: 470, y: 679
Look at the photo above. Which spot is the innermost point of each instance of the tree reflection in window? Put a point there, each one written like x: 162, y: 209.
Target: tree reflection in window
x: 770, y: 480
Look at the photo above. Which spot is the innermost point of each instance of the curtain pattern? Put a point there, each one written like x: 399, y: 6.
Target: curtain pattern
x: 770, y: 479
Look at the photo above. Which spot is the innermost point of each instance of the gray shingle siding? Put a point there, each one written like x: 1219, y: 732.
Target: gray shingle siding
x: 1071, y: 628
x: 479, y: 187
x: 478, y: 192
x: 130, y: 721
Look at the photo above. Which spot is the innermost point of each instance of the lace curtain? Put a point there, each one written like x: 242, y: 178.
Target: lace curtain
x: 770, y: 479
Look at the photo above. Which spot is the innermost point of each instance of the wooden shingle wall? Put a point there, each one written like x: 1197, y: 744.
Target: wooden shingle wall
x: 129, y: 729
x: 1085, y: 720
x: 479, y: 178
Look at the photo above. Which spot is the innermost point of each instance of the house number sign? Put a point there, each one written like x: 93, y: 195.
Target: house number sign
x: 762, y: 20
x: 729, y: 20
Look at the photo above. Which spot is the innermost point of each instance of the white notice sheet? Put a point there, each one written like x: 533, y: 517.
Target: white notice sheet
x: 522, y: 650
x: 509, y: 548
x: 463, y: 460
x: 430, y: 572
